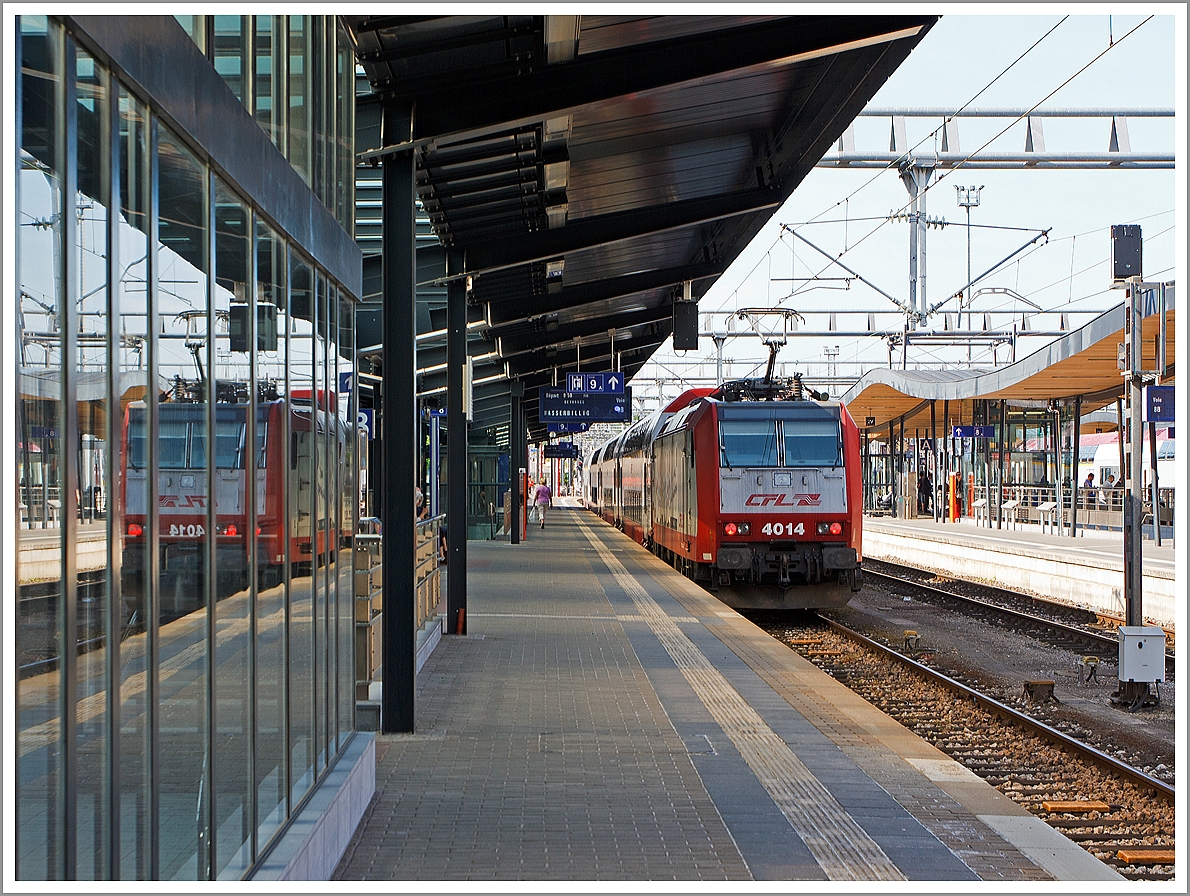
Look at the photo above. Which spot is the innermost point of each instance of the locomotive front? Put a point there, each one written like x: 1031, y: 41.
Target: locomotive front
x: 785, y: 502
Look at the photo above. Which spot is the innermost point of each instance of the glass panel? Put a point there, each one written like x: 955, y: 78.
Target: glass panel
x: 182, y: 266
x: 271, y: 478
x: 92, y: 553
x: 196, y: 27
x: 345, y: 161
x: 300, y: 467
x: 264, y: 95
x: 234, y: 388
x: 230, y: 50
x: 318, y: 108
x: 39, y: 326
x: 812, y: 443
x: 323, y: 534
x: 132, y: 298
x: 748, y: 443
x: 348, y: 500
x: 299, y: 92
x: 335, y: 511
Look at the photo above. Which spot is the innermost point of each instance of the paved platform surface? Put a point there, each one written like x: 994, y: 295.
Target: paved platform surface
x: 1087, y: 571
x: 606, y: 719
x: 1098, y: 548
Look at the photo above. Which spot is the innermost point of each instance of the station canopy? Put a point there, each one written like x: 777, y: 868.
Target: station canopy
x: 590, y: 166
x: 1081, y: 363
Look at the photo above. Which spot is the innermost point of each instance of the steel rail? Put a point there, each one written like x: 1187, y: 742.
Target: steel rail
x: 1103, y: 760
x: 1094, y: 637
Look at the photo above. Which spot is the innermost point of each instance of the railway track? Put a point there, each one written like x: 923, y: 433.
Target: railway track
x: 1057, y: 624
x: 1120, y: 814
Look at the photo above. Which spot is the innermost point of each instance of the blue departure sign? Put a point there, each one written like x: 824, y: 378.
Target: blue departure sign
x: 559, y: 428
x: 1159, y: 404
x: 974, y: 432
x: 561, y: 450
x: 595, y: 383
x: 558, y: 406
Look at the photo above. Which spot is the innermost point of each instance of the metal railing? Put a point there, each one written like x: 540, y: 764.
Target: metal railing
x: 40, y: 507
x: 1098, y: 507
x: 427, y: 557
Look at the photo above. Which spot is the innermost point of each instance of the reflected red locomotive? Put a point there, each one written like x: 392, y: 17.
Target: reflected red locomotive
x: 752, y: 489
x: 293, y: 522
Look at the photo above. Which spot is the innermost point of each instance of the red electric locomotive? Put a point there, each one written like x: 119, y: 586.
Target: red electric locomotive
x: 753, y: 489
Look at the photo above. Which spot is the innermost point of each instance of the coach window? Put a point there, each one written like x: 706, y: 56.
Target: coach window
x: 748, y: 443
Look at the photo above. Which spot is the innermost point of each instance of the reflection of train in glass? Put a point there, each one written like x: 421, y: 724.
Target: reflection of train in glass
x: 753, y: 489
x: 291, y: 499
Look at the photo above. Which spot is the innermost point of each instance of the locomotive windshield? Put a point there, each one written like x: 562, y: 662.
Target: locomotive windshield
x: 775, y: 434
x: 812, y: 443
x: 748, y: 443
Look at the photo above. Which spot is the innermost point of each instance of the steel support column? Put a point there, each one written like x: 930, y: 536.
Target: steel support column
x: 1075, y: 440
x: 1001, y: 464
x: 1131, y: 470
x: 516, y: 457
x: 456, y: 459
x: 944, y: 451
x: 936, y: 478
x: 400, y: 428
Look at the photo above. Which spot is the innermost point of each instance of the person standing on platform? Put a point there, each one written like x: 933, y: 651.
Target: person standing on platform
x: 543, y: 498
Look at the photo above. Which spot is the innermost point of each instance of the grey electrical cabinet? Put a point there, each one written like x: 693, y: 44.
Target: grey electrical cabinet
x: 1142, y: 653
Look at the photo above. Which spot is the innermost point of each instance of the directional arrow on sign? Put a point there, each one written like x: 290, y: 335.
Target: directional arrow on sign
x: 615, y: 383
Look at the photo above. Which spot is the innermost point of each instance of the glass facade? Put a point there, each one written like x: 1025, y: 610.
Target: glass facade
x: 296, y: 75
x: 186, y: 468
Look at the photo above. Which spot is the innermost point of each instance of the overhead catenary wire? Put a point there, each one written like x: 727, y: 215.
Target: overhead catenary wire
x: 882, y: 220
x: 958, y: 166
x: 905, y: 155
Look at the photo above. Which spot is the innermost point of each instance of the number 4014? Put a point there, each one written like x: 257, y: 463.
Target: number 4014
x: 783, y: 529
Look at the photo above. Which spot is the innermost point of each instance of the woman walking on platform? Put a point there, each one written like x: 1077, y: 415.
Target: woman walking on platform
x: 543, y: 498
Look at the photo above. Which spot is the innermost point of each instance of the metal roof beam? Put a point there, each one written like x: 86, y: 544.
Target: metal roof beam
x: 594, y: 357
x: 536, y: 339
x: 468, y: 31
x: 467, y: 106
x: 504, y: 311
x: 587, y: 233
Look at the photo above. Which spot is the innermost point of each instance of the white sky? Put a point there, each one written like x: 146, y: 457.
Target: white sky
x: 958, y: 58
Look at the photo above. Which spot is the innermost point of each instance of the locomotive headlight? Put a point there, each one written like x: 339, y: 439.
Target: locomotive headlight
x: 231, y: 530
x: 730, y: 529
x: 744, y: 528
x: 135, y: 530
x: 824, y: 528
x: 836, y: 528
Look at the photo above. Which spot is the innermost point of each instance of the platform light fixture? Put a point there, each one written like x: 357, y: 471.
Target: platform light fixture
x: 968, y: 197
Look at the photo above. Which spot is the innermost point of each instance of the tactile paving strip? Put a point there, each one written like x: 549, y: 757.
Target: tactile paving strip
x: 841, y: 847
